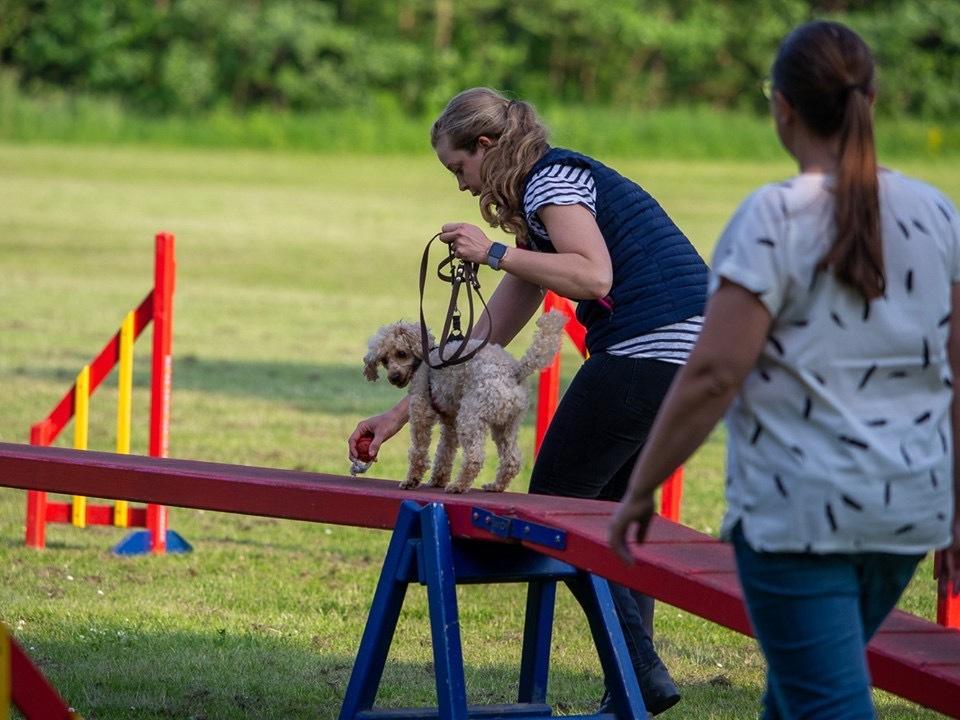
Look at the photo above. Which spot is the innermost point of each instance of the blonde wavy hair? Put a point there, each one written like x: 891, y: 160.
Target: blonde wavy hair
x: 520, y: 140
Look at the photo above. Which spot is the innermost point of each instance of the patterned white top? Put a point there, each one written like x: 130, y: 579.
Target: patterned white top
x: 839, y: 440
x: 560, y: 184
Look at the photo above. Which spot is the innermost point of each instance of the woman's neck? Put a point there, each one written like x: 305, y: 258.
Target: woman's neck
x: 816, y: 154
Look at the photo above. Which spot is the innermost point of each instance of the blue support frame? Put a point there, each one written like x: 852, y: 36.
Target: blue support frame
x: 422, y: 550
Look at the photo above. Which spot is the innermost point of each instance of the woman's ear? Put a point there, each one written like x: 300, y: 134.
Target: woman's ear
x: 485, y: 142
x: 782, y: 109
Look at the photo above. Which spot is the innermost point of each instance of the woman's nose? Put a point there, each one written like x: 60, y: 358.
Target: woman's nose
x: 463, y: 186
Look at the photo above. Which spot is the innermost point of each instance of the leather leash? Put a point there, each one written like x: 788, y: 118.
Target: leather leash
x: 460, y: 274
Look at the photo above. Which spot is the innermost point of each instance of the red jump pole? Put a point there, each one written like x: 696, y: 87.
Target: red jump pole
x: 161, y: 376
x: 948, y: 602
x: 37, y: 499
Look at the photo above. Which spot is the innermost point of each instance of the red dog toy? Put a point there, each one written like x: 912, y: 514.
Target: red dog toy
x: 363, y: 448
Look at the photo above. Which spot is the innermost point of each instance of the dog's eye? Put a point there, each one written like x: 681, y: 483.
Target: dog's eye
x: 402, y: 355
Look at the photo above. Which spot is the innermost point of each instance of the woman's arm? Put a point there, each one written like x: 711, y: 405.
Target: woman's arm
x: 734, y: 332
x: 580, y: 269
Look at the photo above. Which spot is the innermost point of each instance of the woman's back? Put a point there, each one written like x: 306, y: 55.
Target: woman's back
x: 840, y: 439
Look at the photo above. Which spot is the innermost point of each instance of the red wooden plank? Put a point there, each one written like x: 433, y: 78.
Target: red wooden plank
x: 30, y: 690
x: 595, y: 522
x: 683, y: 568
x: 922, y: 648
x: 899, y: 622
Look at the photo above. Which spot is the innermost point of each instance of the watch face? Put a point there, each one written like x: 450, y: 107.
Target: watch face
x: 495, y: 255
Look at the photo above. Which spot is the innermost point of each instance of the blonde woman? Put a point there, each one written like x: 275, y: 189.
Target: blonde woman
x: 591, y: 235
x: 831, y: 340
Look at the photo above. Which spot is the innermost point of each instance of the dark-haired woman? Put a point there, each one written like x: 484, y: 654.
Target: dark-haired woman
x: 831, y: 339
x: 589, y: 234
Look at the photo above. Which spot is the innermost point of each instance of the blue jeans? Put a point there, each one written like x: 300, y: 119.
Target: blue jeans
x: 813, y: 616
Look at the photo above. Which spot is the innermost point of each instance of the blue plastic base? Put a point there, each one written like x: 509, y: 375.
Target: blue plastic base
x: 138, y: 543
x: 423, y: 551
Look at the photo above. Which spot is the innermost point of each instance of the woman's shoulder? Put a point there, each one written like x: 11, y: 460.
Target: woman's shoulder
x: 784, y: 199
x: 898, y: 184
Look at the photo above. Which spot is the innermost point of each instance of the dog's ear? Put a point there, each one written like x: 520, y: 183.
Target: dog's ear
x: 411, y: 338
x: 371, y: 361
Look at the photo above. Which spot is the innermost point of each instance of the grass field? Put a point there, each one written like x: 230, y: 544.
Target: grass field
x: 287, y: 263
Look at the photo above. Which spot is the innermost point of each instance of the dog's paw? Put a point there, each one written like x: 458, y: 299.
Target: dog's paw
x: 438, y: 482
x: 409, y: 484
x: 454, y: 489
x: 494, y: 487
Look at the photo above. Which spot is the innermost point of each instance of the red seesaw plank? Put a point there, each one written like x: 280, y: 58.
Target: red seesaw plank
x: 911, y: 657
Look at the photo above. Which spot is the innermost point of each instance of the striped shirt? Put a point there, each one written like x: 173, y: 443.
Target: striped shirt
x: 560, y: 184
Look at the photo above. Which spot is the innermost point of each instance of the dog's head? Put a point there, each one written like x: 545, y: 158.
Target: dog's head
x: 398, y: 349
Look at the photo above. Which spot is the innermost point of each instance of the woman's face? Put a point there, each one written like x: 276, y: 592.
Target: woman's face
x: 464, y: 165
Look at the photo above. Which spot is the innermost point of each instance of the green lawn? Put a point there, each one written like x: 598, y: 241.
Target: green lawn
x: 287, y: 263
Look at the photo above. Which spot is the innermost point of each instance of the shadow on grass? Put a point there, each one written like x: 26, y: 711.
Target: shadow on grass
x: 331, y: 389
x: 108, y: 673
x: 327, y: 388
x: 112, y: 673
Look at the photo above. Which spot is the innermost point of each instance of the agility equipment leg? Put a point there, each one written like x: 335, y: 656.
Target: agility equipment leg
x: 422, y: 550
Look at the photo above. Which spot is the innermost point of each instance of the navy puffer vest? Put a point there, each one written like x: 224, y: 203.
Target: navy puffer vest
x: 658, y: 276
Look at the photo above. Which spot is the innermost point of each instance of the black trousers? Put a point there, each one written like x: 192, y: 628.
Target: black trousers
x: 589, y: 450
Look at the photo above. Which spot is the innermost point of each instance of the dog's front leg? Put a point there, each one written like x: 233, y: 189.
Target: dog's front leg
x: 446, y: 451
x: 421, y: 421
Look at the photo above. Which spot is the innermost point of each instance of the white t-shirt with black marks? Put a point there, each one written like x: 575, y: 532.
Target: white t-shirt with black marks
x: 839, y: 440
x: 560, y: 184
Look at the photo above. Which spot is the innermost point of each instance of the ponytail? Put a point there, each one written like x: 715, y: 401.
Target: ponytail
x: 521, y: 140
x: 506, y: 165
x: 825, y: 71
x: 857, y: 252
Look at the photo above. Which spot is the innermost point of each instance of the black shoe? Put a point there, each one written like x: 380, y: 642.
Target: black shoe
x: 606, y: 705
x: 657, y: 688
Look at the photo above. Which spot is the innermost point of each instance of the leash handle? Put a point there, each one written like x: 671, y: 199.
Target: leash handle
x: 460, y: 274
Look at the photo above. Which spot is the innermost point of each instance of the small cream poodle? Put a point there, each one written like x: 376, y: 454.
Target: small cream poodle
x: 486, y: 391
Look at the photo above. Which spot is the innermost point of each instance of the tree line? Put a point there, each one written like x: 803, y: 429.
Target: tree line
x: 190, y: 56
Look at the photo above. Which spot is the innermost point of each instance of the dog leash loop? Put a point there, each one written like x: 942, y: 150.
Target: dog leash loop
x: 460, y: 273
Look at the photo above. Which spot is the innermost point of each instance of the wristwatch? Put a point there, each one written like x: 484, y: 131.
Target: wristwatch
x: 495, y: 255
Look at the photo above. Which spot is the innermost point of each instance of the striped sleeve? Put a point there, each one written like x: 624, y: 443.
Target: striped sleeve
x: 558, y: 184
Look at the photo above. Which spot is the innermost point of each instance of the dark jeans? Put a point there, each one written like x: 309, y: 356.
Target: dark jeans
x: 589, y: 450
x: 813, y: 616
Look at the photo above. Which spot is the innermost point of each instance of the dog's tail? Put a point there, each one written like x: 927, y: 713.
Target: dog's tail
x: 546, y: 343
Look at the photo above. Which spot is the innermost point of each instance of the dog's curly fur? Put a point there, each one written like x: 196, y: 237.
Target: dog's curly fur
x: 486, y: 391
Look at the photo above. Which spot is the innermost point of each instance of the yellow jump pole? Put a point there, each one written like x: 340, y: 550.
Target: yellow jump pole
x: 81, y: 424
x: 124, y: 407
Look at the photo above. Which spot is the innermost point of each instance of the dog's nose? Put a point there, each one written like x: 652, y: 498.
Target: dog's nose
x: 394, y: 377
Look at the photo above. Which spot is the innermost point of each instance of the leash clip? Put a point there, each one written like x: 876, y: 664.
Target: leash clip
x: 456, y: 333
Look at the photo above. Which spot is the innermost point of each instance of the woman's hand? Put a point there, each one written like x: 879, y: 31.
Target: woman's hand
x: 635, y: 509
x: 382, y: 427
x: 468, y: 241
